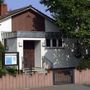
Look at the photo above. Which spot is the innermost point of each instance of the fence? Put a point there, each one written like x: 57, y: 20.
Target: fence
x: 82, y: 76
x: 26, y: 81
x: 37, y: 80
x: 63, y: 76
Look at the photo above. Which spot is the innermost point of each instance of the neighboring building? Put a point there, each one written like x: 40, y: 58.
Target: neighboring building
x: 37, y: 39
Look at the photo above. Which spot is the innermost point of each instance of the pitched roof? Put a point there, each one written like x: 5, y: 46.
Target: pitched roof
x: 17, y: 11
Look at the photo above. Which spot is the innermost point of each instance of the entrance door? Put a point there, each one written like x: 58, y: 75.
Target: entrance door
x: 29, y: 56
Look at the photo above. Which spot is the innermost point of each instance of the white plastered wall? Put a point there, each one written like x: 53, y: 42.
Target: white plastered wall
x: 50, y: 26
x: 12, y: 45
x: 5, y: 26
x: 38, y: 51
x: 61, y: 57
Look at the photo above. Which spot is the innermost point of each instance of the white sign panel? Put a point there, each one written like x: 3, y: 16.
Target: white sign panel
x: 10, y: 58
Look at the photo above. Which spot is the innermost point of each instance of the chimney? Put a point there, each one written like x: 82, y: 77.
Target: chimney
x: 3, y: 9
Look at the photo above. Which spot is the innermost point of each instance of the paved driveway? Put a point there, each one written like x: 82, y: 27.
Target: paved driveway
x: 67, y: 87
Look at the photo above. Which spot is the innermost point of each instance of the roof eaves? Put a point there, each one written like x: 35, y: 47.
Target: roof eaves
x: 17, y: 11
x: 42, y: 14
x: 14, y: 12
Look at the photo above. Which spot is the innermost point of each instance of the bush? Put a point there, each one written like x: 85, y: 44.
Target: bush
x: 84, y: 63
x: 11, y: 70
x: 3, y: 71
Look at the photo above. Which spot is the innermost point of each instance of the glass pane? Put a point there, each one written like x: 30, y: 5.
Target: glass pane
x: 54, y: 43
x: 59, y: 42
x: 48, y: 42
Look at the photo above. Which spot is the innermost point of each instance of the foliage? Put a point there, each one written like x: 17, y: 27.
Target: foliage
x: 84, y: 63
x: 73, y: 19
x: 2, y: 50
x: 72, y: 16
x: 3, y: 71
x: 1, y: 1
x: 0, y: 62
x: 11, y: 70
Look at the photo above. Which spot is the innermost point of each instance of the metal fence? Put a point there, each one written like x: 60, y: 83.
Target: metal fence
x: 63, y: 76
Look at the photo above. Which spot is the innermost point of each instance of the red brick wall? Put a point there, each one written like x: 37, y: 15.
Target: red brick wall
x: 28, y: 21
x: 3, y: 9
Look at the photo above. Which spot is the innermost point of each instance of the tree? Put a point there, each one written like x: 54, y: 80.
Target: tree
x: 73, y: 18
x: 1, y: 46
x: 1, y: 1
x: 2, y: 50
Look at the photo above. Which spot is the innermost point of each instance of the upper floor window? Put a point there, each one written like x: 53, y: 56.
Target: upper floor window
x: 54, y: 43
x: 48, y: 42
x: 59, y: 42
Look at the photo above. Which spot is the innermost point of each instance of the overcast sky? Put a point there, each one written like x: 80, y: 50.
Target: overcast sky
x: 14, y: 4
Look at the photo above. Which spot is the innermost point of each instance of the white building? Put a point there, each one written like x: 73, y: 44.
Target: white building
x: 37, y: 39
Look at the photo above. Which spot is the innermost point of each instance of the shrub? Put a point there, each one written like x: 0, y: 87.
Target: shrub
x: 11, y: 70
x: 8, y: 70
x: 84, y: 63
x: 3, y: 71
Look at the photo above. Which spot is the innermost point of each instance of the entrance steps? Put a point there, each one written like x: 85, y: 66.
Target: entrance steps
x: 34, y: 69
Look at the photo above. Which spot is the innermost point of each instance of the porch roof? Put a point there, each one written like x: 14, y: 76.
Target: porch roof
x: 23, y: 34
x: 31, y: 34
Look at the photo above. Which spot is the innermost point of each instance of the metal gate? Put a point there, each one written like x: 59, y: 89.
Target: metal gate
x: 63, y: 76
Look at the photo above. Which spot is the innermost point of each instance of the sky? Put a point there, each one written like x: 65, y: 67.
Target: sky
x: 15, y: 4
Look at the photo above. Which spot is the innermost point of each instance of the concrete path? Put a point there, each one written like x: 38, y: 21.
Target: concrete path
x: 66, y: 87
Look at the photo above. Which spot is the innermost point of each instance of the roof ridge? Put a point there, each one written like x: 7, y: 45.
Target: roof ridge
x: 16, y: 11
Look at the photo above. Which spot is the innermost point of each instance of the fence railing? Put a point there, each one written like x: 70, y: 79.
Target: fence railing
x: 34, y: 69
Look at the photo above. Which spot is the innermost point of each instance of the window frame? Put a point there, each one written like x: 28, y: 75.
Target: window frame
x: 57, y: 43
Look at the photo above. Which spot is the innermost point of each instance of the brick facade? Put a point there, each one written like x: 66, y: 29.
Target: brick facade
x: 28, y: 21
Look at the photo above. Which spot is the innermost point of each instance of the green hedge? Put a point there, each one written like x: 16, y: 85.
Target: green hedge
x: 8, y: 70
x: 84, y: 63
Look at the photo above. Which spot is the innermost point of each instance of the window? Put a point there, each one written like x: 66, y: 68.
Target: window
x: 59, y: 42
x: 5, y: 44
x: 54, y: 43
x: 48, y: 42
